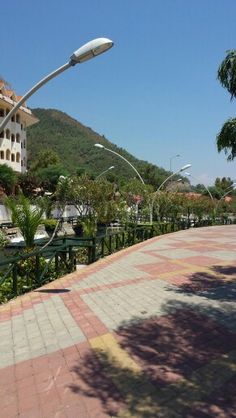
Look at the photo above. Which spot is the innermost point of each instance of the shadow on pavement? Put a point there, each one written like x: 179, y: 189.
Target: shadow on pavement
x: 183, y: 367
x: 218, y: 285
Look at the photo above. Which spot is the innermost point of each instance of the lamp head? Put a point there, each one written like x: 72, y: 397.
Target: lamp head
x: 111, y: 168
x: 90, y: 50
x: 99, y: 145
x: 185, y: 167
x: 187, y: 174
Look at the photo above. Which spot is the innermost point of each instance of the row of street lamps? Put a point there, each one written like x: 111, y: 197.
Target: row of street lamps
x: 84, y: 53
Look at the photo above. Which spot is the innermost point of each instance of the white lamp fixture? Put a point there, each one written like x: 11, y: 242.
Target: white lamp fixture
x: 86, y: 52
x: 90, y: 50
x: 185, y: 167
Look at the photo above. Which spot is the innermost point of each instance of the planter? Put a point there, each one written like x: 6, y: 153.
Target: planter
x: 50, y: 230
x: 78, y: 230
x: 101, y: 229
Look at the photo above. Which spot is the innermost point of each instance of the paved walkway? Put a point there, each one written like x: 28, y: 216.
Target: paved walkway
x: 147, y: 332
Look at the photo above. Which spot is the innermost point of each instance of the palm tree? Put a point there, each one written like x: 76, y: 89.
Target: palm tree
x: 226, y: 139
x: 25, y: 217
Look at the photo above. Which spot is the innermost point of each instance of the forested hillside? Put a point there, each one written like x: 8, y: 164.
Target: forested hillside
x: 74, y: 143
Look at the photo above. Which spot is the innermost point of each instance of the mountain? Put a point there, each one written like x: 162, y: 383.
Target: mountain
x: 74, y: 143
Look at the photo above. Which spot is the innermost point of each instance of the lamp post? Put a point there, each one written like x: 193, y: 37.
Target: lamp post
x: 84, y: 53
x: 171, y: 158
x: 185, y: 167
x: 195, y: 178
x: 105, y: 171
x: 123, y: 158
x: 228, y: 192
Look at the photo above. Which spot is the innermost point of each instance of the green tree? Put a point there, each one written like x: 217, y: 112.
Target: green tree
x: 8, y: 178
x: 44, y: 159
x: 226, y: 138
x: 227, y: 72
x: 28, y: 182
x: 223, y: 183
x: 49, y: 176
x: 26, y: 217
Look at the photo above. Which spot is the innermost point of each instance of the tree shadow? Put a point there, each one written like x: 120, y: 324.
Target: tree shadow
x: 218, y: 285
x: 171, y: 377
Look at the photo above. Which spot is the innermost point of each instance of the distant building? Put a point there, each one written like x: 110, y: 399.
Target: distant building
x: 13, y: 145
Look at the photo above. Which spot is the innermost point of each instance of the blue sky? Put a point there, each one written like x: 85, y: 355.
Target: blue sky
x: 155, y: 93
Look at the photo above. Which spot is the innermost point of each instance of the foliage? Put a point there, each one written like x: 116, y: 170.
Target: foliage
x: 227, y: 72
x: 50, y: 223
x: 74, y: 143
x: 47, y: 204
x: 28, y: 182
x: 4, y: 240
x: 44, y: 159
x: 226, y: 139
x: 8, y: 178
x: 50, y: 175
x: 89, y: 225
x: 223, y: 183
x: 26, y: 217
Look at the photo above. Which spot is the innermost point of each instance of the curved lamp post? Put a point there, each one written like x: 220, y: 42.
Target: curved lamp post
x: 105, y: 171
x: 195, y: 178
x: 123, y: 158
x: 228, y: 192
x: 84, y: 53
x: 185, y: 167
x: 171, y: 158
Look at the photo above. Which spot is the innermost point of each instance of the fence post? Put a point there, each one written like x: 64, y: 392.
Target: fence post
x: 37, y: 266
x: 14, y: 276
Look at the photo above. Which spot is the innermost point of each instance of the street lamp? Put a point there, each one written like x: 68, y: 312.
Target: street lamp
x: 105, y: 171
x: 84, y: 53
x: 195, y: 178
x: 228, y: 192
x: 123, y: 158
x: 171, y: 158
x: 185, y: 167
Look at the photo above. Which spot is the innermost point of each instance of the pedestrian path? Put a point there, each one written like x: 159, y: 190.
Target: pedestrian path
x: 147, y: 332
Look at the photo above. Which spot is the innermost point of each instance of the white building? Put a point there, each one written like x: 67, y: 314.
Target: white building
x: 13, y: 143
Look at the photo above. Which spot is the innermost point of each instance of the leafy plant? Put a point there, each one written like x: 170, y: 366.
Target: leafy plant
x: 26, y: 217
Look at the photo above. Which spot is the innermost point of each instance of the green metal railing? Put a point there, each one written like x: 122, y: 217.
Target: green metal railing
x: 24, y: 271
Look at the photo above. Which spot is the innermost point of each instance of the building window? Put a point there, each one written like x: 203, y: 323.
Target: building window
x: 12, y: 138
x: 13, y: 118
x: 7, y: 111
x: 8, y: 153
x: 24, y: 143
x: 2, y: 155
x: 8, y: 134
x: 21, y: 163
x: 18, y: 138
x: 1, y: 113
x: 13, y: 158
x: 24, y: 162
x: 2, y: 134
x: 17, y: 118
x: 17, y: 157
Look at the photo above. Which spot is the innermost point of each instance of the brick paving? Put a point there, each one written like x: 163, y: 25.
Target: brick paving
x: 147, y: 332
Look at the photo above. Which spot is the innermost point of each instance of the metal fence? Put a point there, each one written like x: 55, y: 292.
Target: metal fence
x: 21, y: 271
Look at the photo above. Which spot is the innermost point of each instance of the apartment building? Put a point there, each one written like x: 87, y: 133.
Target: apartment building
x: 13, y: 141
